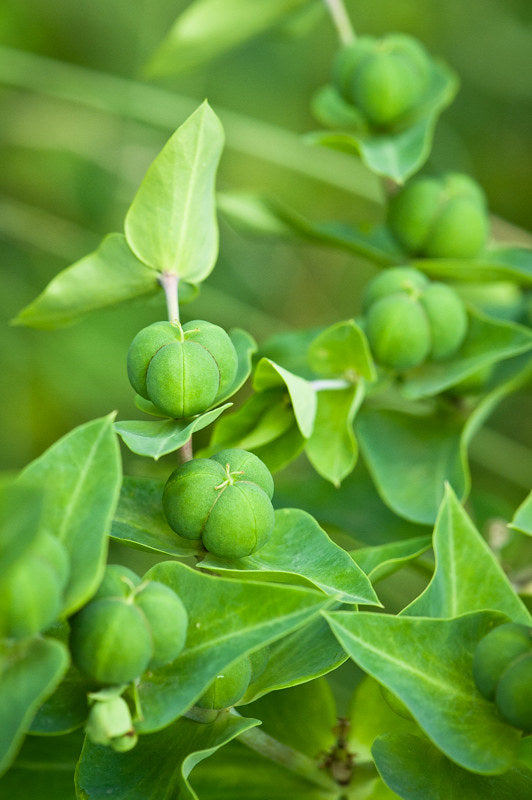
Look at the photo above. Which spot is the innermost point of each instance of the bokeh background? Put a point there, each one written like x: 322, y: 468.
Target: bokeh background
x: 80, y: 124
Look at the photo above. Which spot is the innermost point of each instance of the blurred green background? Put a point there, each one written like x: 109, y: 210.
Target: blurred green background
x: 80, y: 125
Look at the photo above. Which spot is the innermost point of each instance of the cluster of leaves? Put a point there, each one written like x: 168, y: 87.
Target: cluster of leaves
x: 417, y: 720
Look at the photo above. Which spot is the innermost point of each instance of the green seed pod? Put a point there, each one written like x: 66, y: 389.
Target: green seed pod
x: 110, y: 641
x: 109, y: 719
x: 182, y: 370
x: 123, y: 744
x: 440, y: 218
x: 249, y: 465
x: 513, y: 695
x: 30, y: 597
x: 167, y: 618
x: 346, y: 62
x: 117, y: 581
x: 398, y: 331
x: 231, y: 514
x: 391, y: 281
x: 447, y: 319
x: 228, y: 687
x: 496, y: 651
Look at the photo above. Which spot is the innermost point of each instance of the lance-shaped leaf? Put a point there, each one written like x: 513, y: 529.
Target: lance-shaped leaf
x: 399, y: 154
x: 29, y: 671
x: 332, y: 448
x: 416, y: 770
x: 269, y: 375
x: 522, y: 520
x: 156, y: 439
x: 467, y: 575
x: 227, y: 618
x: 80, y: 476
x: 160, y: 763
x: 208, y: 28
x: 342, y: 350
x: 20, y: 518
x: 140, y: 521
x: 497, y: 264
x: 43, y: 761
x: 299, y: 547
x: 385, y: 559
x: 488, y: 341
x: 171, y: 223
x: 301, y: 656
x: 109, y: 275
x: 428, y: 664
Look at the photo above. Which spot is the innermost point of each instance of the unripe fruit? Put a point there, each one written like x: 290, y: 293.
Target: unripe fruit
x: 513, y: 695
x: 110, y: 720
x: 182, y: 369
x: 447, y: 319
x: 398, y: 331
x: 407, y: 280
x: 110, y: 641
x: 228, y: 687
x: 218, y: 503
x: 30, y: 597
x: 440, y: 218
x: 496, y: 651
x: 117, y: 581
x: 385, y: 79
x: 167, y: 619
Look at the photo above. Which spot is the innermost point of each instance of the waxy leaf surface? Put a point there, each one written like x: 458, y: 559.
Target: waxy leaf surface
x: 382, y: 560
x: 269, y: 375
x: 332, y: 448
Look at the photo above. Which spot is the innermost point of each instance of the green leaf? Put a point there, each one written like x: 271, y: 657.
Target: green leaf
x: 416, y: 770
x: 301, y: 656
x: 278, y: 453
x: 80, y: 476
x: 428, y: 664
x: 228, y: 618
x: 20, y: 519
x: 382, y: 560
x: 522, y: 520
x: 261, y: 419
x: 140, y: 521
x: 342, y: 350
x: 208, y: 28
x: 332, y: 448
x: 66, y: 709
x: 160, y: 763
x: 29, y: 671
x: 462, y: 556
x: 44, y: 764
x: 499, y: 263
x: 109, y: 275
x: 171, y: 223
x: 269, y: 375
x: 298, y: 546
x: 399, y: 154
x: 488, y: 341
x: 156, y: 439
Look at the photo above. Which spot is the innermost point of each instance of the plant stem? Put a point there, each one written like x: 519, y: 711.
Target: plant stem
x: 186, y: 452
x: 170, y: 282
x: 341, y: 20
x: 330, y: 383
x: 294, y: 761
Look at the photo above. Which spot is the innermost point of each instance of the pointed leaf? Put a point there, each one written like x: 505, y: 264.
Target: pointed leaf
x: 298, y: 546
x: 332, y: 448
x: 228, y: 618
x: 156, y: 439
x: 385, y: 559
x: 428, y: 664
x: 140, y: 521
x: 171, y: 224
x: 522, y: 520
x: 342, y: 350
x: 208, y: 28
x: 269, y: 375
x: 109, y: 275
x: 80, y: 475
x: 462, y: 556
x: 160, y: 763
x: 29, y: 671
x: 416, y: 770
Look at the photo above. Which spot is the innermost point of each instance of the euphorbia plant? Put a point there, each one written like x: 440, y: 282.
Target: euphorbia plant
x: 210, y: 675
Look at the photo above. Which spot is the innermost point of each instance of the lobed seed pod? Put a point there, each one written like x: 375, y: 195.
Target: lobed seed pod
x: 406, y: 280
x: 513, y: 694
x: 447, y: 319
x: 228, y: 687
x: 224, y: 501
x: 110, y: 641
x: 398, y: 331
x: 496, y: 651
x: 110, y: 722
x: 182, y: 369
x: 117, y: 581
x: 167, y: 619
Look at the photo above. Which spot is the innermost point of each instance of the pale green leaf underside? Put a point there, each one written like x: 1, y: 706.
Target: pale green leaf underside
x: 522, y: 520
x: 269, y: 375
